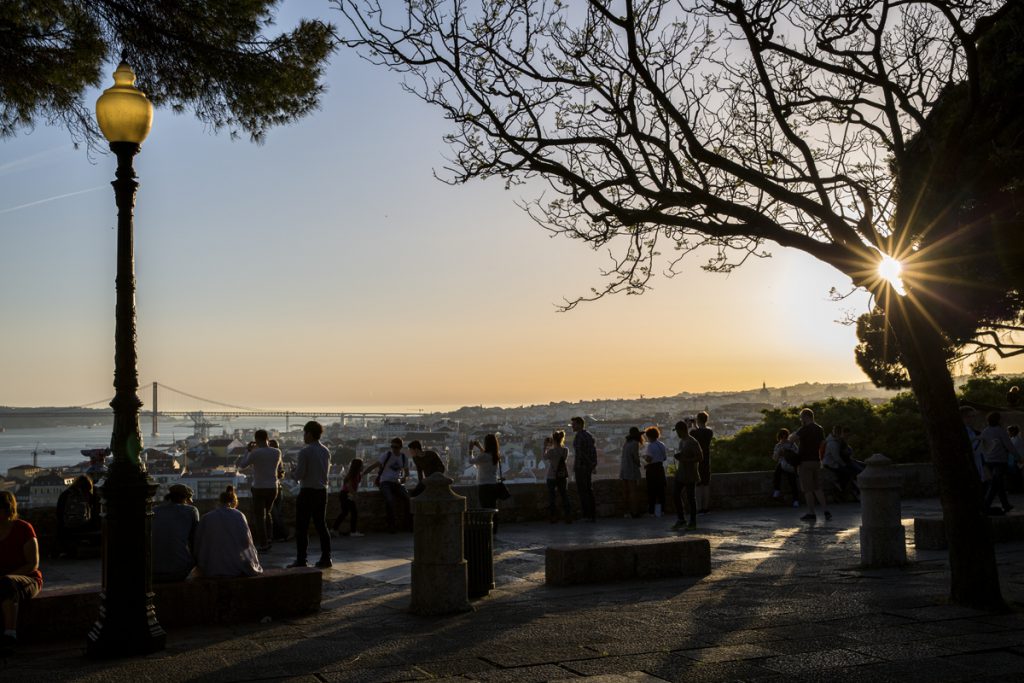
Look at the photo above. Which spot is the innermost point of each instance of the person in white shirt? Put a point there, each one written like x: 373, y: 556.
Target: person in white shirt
x: 996, y: 448
x: 394, y: 470
x: 314, y: 462
x: 486, y: 462
x: 265, y: 462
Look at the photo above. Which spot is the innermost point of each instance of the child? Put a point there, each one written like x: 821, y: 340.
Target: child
x: 347, y: 496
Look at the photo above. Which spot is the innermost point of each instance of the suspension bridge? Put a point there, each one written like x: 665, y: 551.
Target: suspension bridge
x: 202, y: 419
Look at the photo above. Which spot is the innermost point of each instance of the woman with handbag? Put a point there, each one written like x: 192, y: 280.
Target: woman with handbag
x: 487, y: 464
x: 557, y: 475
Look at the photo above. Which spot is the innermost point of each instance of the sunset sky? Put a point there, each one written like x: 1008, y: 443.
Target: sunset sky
x: 329, y: 268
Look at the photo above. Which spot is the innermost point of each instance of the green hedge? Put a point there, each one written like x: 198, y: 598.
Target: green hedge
x: 893, y: 428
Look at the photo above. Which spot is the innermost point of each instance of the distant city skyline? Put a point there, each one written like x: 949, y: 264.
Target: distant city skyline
x: 328, y: 267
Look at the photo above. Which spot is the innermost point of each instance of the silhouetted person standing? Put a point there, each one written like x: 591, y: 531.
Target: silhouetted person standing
x: 657, y: 455
x: 279, y: 531
x: 689, y: 458
x: 703, y: 434
x: 583, y: 468
x: 310, y: 471
x: 809, y: 438
x: 996, y: 448
x: 265, y: 461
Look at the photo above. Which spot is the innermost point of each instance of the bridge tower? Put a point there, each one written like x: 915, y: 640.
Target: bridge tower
x: 156, y: 426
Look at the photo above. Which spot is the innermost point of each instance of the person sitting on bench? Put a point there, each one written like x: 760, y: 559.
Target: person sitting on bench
x: 20, y: 578
x: 77, y: 516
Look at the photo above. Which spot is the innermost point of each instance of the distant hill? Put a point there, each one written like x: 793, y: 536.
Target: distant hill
x: 683, y: 402
x: 19, y: 418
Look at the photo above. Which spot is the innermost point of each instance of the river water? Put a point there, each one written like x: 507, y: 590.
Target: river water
x: 16, y: 445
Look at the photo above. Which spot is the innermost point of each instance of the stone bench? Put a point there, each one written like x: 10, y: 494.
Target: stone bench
x: 626, y: 560
x: 930, y: 532
x: 277, y: 593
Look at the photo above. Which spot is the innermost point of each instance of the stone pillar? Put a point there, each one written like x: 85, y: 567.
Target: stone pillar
x: 882, y: 539
x: 438, y: 565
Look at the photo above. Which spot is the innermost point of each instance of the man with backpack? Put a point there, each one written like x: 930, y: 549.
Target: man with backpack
x: 394, y: 470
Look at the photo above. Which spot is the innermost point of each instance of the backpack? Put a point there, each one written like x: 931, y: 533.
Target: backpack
x: 77, y: 510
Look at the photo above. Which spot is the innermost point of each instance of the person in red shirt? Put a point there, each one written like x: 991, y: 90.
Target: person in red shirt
x: 20, y: 578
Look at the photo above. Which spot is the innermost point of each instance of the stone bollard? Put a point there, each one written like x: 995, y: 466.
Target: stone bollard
x: 438, y: 567
x: 882, y: 539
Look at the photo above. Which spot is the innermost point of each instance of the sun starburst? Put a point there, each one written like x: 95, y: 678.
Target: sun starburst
x: 891, y: 270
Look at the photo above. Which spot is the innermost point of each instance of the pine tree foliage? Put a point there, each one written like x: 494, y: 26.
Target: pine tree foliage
x: 219, y: 59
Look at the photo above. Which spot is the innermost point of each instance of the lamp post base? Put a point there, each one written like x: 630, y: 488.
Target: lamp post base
x: 127, y: 624
x: 119, y: 637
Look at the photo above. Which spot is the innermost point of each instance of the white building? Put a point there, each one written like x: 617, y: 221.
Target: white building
x: 209, y: 485
x: 45, y: 489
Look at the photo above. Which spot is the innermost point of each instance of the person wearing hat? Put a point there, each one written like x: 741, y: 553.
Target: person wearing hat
x: 174, y: 529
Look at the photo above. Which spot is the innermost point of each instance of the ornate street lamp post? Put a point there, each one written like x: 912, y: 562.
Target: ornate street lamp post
x: 127, y: 622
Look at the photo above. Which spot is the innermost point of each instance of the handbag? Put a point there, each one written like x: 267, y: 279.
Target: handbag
x: 562, y: 471
x: 501, y: 491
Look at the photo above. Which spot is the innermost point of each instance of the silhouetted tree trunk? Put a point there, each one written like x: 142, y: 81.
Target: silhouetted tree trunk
x: 972, y: 560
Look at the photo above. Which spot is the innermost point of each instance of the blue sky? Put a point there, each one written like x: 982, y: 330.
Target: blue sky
x: 329, y: 268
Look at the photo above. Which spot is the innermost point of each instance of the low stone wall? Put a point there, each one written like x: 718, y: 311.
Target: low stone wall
x: 730, y: 491
x: 529, y: 502
x: 277, y: 593
x: 930, y: 532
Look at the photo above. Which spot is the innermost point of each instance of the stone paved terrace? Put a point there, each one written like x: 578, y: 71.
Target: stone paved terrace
x: 784, y: 602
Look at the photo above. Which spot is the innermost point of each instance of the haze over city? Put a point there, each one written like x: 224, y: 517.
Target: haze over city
x: 328, y: 267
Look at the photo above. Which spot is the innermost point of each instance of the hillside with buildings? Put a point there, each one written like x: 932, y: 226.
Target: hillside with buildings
x: 207, y: 463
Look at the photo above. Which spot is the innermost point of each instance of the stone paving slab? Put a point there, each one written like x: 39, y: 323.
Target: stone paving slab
x: 628, y: 677
x: 784, y: 602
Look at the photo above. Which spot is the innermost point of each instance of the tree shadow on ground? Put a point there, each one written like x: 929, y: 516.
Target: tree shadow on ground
x: 783, y: 599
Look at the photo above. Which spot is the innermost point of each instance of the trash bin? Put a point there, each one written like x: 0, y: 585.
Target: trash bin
x: 478, y: 548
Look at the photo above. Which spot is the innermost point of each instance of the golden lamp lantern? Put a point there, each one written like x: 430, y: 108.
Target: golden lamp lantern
x: 123, y: 111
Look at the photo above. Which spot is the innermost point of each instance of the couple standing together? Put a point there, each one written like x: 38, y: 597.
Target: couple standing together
x: 584, y: 466
x: 312, y: 466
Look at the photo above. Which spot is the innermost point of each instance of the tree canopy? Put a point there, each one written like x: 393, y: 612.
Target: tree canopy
x: 711, y: 126
x: 215, y: 58
x: 962, y: 187
x: 665, y: 128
